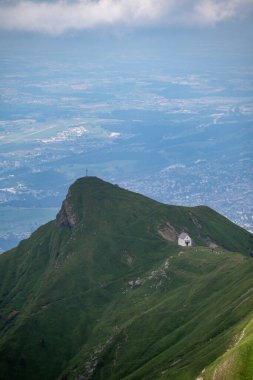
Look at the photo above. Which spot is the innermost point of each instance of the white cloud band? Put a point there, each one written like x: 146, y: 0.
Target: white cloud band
x: 61, y: 15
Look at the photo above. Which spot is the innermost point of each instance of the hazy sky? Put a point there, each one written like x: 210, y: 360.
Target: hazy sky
x: 56, y: 17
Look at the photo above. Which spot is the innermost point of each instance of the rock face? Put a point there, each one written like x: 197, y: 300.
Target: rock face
x: 168, y: 232
x: 66, y: 216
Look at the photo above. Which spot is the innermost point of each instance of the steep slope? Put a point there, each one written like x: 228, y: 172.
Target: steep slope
x: 236, y: 362
x: 105, y: 292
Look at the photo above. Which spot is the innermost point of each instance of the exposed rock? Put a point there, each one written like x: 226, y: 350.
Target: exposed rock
x: 128, y: 259
x: 138, y: 282
x: 66, y: 216
x: 135, y: 283
x: 213, y: 245
x: 210, y: 243
x: 175, y: 362
x: 163, y: 273
x: 95, y: 358
x: 195, y: 221
x: 168, y: 232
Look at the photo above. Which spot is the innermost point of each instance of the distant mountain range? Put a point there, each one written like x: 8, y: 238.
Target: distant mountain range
x: 105, y: 292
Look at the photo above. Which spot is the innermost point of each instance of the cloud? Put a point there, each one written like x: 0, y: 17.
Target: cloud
x: 59, y: 16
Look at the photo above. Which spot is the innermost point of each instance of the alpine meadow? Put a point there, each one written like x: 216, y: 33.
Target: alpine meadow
x: 105, y: 292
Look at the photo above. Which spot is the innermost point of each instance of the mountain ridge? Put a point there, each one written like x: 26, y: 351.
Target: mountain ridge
x: 66, y: 216
x: 105, y: 292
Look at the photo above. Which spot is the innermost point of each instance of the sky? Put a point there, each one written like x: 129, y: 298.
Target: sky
x: 60, y: 16
x: 128, y: 51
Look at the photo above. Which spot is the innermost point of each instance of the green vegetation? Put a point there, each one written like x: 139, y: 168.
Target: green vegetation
x: 101, y: 294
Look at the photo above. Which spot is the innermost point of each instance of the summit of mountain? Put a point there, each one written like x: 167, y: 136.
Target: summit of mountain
x: 92, y: 200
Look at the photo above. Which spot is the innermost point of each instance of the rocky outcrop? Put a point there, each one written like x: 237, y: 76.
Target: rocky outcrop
x: 210, y: 243
x: 195, y: 221
x: 168, y: 232
x: 66, y: 216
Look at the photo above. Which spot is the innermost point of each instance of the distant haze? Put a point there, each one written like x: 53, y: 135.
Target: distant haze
x: 154, y: 95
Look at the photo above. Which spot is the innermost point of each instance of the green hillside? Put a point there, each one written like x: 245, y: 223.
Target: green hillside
x: 105, y: 292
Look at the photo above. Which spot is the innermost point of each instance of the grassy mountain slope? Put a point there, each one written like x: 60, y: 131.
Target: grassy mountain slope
x: 105, y: 292
x: 236, y: 362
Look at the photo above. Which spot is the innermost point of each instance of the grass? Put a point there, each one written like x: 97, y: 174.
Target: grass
x: 111, y: 299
